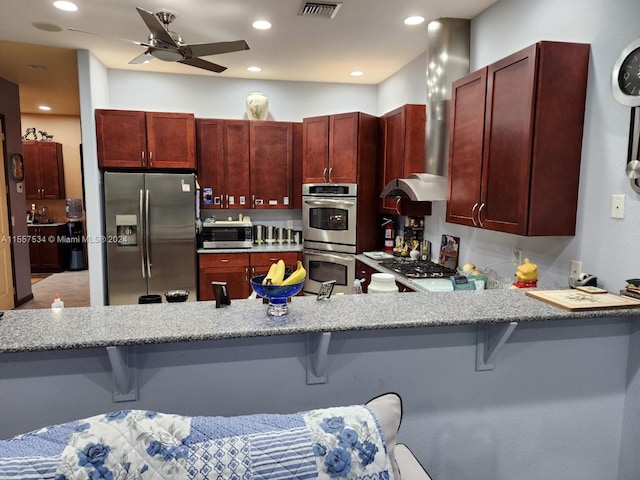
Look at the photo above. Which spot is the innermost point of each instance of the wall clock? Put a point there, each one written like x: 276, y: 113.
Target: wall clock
x: 625, y: 84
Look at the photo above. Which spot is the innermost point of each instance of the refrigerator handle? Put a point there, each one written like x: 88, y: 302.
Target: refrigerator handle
x: 141, y: 247
x: 147, y: 233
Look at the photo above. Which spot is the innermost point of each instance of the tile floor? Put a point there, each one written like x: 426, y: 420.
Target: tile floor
x: 73, y: 288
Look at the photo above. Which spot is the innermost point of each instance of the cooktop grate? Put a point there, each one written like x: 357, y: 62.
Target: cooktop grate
x: 418, y: 268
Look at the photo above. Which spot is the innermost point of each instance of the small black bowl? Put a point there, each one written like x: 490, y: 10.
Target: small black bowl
x: 174, y: 296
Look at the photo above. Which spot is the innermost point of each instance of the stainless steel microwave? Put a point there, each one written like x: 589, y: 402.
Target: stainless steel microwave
x: 227, y: 234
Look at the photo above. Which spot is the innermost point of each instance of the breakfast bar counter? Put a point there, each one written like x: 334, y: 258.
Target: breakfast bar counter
x: 72, y: 328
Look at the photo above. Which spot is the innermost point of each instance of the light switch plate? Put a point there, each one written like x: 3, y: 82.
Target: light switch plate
x: 617, y: 206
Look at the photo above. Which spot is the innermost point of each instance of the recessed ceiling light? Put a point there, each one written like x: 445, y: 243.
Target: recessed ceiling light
x: 254, y: 69
x: 47, y: 27
x: 261, y: 25
x: 66, y: 6
x: 415, y: 20
x: 356, y: 73
x: 44, y: 108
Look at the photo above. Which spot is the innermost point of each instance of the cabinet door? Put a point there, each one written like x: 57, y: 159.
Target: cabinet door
x: 31, y: 170
x: 271, y: 157
x: 315, y: 149
x: 237, y: 174
x: 237, y: 279
x: 403, y: 147
x: 343, y: 148
x: 296, y: 169
x: 209, y: 135
x: 506, y: 168
x: 47, y: 251
x: 121, y: 139
x: 465, y: 148
x: 261, y: 262
x: 51, y: 170
x: 230, y: 268
x: 171, y: 140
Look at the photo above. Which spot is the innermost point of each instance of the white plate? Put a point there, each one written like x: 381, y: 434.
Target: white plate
x: 378, y: 255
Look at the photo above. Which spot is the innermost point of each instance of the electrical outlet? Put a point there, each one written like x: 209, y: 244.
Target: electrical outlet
x: 576, y: 268
x: 516, y: 256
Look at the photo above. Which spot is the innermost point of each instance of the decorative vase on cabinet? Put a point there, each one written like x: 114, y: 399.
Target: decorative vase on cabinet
x: 257, y: 106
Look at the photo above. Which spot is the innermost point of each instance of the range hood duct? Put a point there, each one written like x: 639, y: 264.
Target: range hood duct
x: 448, y: 41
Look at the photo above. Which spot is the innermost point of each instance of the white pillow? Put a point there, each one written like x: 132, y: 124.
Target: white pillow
x: 387, y: 408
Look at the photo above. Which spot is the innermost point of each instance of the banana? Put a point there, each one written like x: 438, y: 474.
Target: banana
x: 279, y: 273
x: 268, y: 278
x: 297, y: 276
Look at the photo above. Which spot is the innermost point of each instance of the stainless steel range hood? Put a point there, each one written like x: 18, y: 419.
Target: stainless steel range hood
x: 447, y: 60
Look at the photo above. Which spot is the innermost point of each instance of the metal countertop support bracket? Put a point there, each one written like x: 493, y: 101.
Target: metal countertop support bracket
x: 490, y: 339
x: 125, y: 380
x: 317, y: 357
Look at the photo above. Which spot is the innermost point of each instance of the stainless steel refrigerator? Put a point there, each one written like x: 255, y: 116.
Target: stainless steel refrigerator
x: 150, y: 235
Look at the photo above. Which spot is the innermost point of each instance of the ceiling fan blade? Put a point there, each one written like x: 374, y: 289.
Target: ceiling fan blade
x: 204, y: 49
x: 110, y: 36
x: 145, y: 57
x: 155, y: 27
x: 198, y: 62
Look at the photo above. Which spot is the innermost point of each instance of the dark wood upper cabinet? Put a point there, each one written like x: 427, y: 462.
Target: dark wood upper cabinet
x: 339, y: 148
x: 315, y: 148
x: 248, y: 164
x: 271, y: 162
x: 149, y: 140
x: 403, y: 135
x: 43, y: 170
x: 223, y: 163
x: 516, y: 141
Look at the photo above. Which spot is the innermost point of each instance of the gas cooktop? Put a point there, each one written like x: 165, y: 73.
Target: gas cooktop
x: 418, y: 268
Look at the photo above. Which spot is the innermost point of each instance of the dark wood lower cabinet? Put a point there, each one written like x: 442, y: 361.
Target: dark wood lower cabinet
x: 48, y: 250
x: 237, y: 269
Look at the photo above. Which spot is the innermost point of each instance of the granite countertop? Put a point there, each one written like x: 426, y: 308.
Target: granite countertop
x: 263, y: 248
x: 90, y: 327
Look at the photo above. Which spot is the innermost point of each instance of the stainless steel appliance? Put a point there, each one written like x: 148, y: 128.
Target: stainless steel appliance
x: 227, y: 234
x: 150, y: 234
x: 329, y: 219
x: 329, y: 214
x: 322, y: 266
x: 418, y: 268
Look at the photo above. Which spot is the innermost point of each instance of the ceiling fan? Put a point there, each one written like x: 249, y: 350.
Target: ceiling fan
x: 169, y: 46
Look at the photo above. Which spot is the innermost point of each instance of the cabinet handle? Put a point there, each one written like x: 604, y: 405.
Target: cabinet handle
x: 150, y: 158
x: 226, y: 201
x: 475, y: 224
x: 398, y: 198
x: 246, y: 274
x: 253, y: 271
x: 144, y: 162
x: 224, y: 260
x: 324, y: 174
x: 330, y: 170
x: 253, y: 201
x: 479, y: 212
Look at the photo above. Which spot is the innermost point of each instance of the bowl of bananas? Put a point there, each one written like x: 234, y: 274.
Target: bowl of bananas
x: 277, y: 287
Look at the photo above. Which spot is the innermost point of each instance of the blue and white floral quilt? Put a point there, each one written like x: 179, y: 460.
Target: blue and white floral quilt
x: 333, y: 443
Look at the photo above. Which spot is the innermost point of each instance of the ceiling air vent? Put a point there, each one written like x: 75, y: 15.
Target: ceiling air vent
x: 319, y: 9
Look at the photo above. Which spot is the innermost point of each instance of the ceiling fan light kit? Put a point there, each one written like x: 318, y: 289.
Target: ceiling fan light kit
x: 168, y: 46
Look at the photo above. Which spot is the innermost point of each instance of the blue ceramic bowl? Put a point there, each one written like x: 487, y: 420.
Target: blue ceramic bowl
x: 275, y: 293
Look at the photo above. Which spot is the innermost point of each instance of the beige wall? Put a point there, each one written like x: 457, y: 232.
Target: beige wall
x: 65, y: 130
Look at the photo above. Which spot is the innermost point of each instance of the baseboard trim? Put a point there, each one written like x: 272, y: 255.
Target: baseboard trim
x: 24, y: 300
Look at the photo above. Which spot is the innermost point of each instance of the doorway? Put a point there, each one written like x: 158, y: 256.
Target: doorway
x: 7, y: 298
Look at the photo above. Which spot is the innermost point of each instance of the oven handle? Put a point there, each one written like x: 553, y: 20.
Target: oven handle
x: 331, y: 201
x: 338, y: 256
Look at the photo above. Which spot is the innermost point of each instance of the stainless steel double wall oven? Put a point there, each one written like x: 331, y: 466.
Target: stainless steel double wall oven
x: 329, y: 214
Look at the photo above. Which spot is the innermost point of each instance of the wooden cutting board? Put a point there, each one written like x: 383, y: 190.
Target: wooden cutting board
x: 571, y: 299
